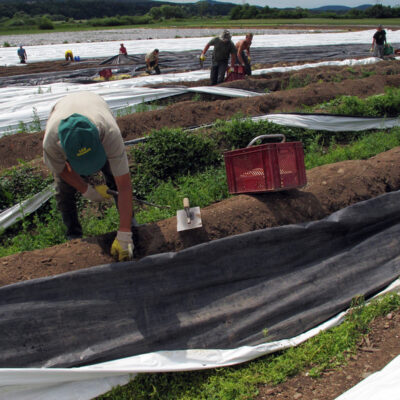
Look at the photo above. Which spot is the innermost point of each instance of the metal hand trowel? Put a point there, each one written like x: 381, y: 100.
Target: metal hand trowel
x: 189, y: 217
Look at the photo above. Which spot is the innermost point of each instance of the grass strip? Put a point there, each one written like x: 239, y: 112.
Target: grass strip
x: 330, y: 348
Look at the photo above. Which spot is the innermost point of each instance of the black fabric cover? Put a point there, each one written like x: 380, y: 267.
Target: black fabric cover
x: 221, y: 294
x: 171, y: 61
x: 119, y: 59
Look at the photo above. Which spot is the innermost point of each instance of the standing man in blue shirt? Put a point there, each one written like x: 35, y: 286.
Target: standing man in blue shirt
x: 22, y: 54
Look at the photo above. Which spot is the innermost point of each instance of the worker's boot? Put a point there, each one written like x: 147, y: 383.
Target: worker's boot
x: 74, y: 228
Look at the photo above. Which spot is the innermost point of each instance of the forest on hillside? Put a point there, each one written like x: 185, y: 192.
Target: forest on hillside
x: 45, y: 13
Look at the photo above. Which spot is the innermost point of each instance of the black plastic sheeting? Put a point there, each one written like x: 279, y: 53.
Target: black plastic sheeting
x: 221, y: 294
x: 189, y: 61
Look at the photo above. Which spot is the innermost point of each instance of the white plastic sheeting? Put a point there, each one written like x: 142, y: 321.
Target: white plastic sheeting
x: 332, y: 123
x: 224, y: 91
x: 382, y: 385
x: 23, y: 104
x: 87, y: 382
x: 8, y: 55
x: 350, y: 62
x: 21, y: 210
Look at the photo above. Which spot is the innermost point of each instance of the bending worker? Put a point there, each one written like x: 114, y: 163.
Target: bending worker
x: 243, y: 53
x: 152, y: 61
x: 223, y: 46
x: 69, y: 55
x: 82, y: 138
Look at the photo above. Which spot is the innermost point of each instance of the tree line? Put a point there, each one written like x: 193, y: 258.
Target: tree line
x: 253, y: 12
x: 87, y: 9
x: 43, y: 13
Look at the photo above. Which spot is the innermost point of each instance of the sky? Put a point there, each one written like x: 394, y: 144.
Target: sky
x: 303, y: 3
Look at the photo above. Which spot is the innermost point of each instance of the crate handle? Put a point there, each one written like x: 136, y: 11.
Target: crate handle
x: 276, y: 135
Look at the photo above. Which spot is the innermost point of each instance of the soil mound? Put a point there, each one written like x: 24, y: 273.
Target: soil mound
x: 329, y: 189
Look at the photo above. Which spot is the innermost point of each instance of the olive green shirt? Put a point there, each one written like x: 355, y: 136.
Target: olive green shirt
x: 222, y: 49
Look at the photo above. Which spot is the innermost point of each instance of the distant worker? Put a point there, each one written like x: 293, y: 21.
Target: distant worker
x: 22, y: 54
x: 151, y: 59
x: 223, y: 47
x: 378, y: 42
x: 69, y: 55
x: 81, y: 138
x: 122, y: 50
x: 243, y: 53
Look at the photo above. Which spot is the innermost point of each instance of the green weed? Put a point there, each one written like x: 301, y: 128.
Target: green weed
x: 296, y: 82
x: 169, y: 153
x: 384, y: 105
x: 368, y: 146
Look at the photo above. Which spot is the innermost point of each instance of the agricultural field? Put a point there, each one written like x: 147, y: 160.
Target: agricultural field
x: 342, y: 169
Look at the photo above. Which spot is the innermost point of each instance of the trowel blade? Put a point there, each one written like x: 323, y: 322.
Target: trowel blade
x: 195, y: 219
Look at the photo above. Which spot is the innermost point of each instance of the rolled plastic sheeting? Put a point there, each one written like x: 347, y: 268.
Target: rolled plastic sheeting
x: 333, y: 123
x: 224, y: 91
x: 384, y: 384
x: 21, y: 210
x: 351, y: 62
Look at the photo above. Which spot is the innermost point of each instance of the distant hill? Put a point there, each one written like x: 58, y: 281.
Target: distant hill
x: 341, y: 8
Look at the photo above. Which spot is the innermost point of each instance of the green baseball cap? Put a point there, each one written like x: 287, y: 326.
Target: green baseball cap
x: 80, y: 139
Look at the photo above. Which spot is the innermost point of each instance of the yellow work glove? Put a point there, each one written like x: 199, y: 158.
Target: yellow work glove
x: 249, y: 58
x: 202, y: 57
x: 97, y: 193
x: 371, y: 49
x: 122, y: 247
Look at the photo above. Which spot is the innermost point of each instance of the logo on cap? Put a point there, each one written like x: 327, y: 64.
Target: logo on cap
x: 83, y: 151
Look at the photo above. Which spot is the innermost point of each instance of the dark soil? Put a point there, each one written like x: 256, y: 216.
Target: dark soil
x: 329, y: 188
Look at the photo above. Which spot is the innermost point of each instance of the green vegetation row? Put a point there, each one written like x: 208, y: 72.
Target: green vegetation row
x: 329, y: 349
x: 382, y: 105
x: 202, y: 179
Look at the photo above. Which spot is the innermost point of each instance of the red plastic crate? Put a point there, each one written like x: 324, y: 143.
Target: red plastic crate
x: 265, y: 168
x: 236, y: 74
